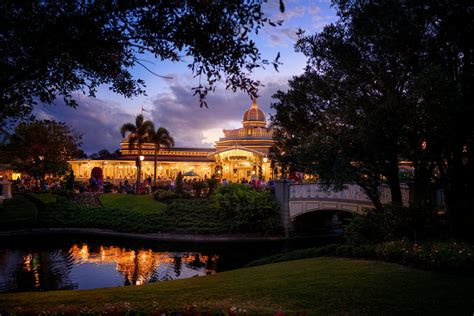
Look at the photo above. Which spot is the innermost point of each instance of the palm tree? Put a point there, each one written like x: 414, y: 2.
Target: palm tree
x: 161, y: 138
x: 138, y: 135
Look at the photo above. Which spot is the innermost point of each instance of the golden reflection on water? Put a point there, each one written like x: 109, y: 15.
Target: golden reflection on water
x: 31, y: 265
x: 79, y: 266
x: 141, y: 266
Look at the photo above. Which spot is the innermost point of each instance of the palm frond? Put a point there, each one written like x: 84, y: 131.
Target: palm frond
x: 139, y: 120
x: 127, y: 127
x: 162, y: 137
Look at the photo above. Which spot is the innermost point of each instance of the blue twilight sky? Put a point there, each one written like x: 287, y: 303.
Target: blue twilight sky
x: 170, y: 102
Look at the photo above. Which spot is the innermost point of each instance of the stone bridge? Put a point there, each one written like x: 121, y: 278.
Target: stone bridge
x: 301, y: 198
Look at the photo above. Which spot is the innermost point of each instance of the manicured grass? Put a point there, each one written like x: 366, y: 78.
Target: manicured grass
x: 136, y: 214
x: 142, y: 204
x: 319, y: 286
x: 46, y: 198
x: 17, y: 212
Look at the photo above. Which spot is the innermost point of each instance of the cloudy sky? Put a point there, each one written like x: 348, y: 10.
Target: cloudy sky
x: 170, y: 102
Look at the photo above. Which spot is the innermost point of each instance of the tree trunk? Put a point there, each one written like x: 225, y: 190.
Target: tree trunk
x: 139, y: 167
x: 458, y: 195
x: 393, y: 178
x: 422, y: 182
x: 372, y: 192
x: 154, y: 169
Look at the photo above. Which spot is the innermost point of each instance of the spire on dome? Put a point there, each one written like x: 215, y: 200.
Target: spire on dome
x: 254, y: 116
x: 254, y: 103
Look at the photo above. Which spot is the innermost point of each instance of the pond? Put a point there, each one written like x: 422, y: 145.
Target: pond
x: 80, y: 262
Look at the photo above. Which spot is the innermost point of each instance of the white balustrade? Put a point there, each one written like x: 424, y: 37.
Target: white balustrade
x: 350, y: 192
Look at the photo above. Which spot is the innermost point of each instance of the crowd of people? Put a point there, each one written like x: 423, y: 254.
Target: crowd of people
x: 147, y: 186
x: 31, y: 184
x: 189, y: 185
x: 255, y: 183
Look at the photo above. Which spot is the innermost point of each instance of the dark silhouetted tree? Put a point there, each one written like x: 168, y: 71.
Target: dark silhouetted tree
x: 50, y: 49
x: 42, y: 147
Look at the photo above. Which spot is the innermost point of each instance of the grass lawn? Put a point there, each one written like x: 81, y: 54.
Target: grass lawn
x: 46, y: 198
x: 16, y: 212
x: 316, y: 286
x: 135, y: 214
x: 142, y: 204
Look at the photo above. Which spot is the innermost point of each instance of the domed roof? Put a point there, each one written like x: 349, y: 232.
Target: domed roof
x: 254, y: 114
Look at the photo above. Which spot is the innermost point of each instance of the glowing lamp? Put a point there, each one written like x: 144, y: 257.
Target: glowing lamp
x: 142, y: 157
x: 265, y: 159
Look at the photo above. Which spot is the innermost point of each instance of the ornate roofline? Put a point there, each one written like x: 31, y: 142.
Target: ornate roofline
x: 237, y: 147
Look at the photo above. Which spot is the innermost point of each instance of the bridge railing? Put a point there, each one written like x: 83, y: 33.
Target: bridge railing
x: 350, y: 192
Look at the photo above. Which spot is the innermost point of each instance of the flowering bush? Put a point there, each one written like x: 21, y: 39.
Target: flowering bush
x: 439, y: 256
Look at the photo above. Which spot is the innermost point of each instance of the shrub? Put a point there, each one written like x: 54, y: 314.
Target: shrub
x: 212, y: 185
x: 247, y: 209
x: 364, y: 229
x: 69, y: 194
x: 70, y: 179
x: 393, y: 223
x: 108, y: 187
x: 199, y: 187
x: 439, y: 256
x: 179, y: 183
x: 166, y: 196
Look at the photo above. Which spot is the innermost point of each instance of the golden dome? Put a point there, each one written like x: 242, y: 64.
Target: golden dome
x: 254, y: 114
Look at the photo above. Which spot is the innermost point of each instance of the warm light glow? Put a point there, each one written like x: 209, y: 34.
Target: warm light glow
x: 138, y: 267
x: 424, y: 144
x: 236, y: 151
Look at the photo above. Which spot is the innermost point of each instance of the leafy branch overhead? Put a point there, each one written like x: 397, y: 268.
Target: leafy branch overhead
x: 51, y: 49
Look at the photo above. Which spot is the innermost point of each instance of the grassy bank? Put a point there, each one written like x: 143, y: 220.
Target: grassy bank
x: 232, y: 209
x: 17, y: 212
x: 316, y: 286
x: 140, y: 204
x: 120, y: 212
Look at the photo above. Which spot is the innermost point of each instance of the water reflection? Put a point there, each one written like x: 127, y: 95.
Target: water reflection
x: 85, y: 266
x: 60, y: 262
x: 35, y: 271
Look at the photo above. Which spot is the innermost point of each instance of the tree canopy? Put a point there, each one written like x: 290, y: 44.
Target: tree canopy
x: 389, y: 81
x: 39, y: 148
x: 50, y: 49
x: 160, y: 137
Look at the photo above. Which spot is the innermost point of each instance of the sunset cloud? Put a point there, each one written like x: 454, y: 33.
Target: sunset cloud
x: 178, y: 110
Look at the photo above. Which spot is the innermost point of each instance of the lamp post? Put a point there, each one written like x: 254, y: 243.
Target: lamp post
x: 265, y: 159
x: 41, y: 158
x: 138, y: 162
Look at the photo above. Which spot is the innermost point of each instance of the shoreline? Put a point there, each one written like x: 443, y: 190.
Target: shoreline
x: 146, y: 236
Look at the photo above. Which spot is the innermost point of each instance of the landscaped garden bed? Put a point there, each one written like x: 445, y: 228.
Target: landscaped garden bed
x: 234, y: 209
x: 451, y: 256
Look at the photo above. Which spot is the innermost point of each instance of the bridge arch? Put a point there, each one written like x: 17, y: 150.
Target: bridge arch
x: 303, y: 206
x: 304, y: 198
x: 320, y: 221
